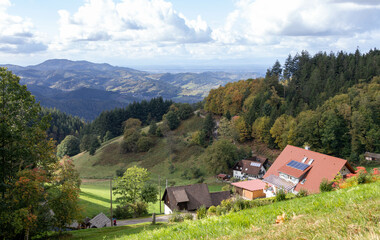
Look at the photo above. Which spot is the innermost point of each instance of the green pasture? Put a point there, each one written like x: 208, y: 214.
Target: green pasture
x: 95, y: 198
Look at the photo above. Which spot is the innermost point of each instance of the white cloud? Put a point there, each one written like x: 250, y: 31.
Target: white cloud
x: 17, y: 35
x: 267, y: 22
x: 140, y: 22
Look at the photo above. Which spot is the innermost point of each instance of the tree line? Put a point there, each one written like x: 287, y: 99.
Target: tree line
x: 328, y: 101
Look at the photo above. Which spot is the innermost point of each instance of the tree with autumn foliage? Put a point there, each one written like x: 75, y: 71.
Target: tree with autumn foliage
x: 28, y: 164
x: 64, y: 195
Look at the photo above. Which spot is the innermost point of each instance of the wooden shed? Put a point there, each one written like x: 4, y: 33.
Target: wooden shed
x: 250, y: 189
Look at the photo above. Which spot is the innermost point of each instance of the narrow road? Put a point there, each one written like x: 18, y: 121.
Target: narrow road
x: 162, y: 218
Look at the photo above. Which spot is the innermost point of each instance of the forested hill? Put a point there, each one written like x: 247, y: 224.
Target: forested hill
x: 85, y: 89
x: 328, y: 101
x: 62, y: 124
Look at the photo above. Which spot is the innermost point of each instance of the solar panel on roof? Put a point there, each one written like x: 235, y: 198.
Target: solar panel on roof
x: 254, y: 164
x: 297, y: 165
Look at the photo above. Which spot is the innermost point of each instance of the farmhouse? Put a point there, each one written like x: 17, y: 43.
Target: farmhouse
x: 251, y: 168
x: 250, y: 189
x: 191, y: 197
x: 297, y: 168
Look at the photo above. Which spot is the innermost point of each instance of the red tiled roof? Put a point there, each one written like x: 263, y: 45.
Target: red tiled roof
x: 251, y: 185
x: 323, y: 166
x: 292, y: 171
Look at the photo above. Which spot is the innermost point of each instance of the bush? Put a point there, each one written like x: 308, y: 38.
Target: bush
x: 188, y: 216
x: 302, y: 193
x: 211, y: 210
x: 140, y: 209
x: 144, y: 144
x: 69, y: 146
x: 227, y: 204
x: 201, y: 212
x: 124, y: 212
x: 220, y: 210
x: 326, y: 186
x: 239, y: 204
x: 363, y: 177
x: 280, y: 196
x: 176, y: 217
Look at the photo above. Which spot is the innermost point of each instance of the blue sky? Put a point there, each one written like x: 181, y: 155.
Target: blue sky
x: 181, y: 32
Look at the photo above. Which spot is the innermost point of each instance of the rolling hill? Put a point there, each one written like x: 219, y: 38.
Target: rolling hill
x: 71, y: 86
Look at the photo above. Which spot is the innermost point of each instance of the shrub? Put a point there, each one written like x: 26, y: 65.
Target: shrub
x: 239, y: 204
x: 326, y: 186
x: 302, y: 193
x: 188, y: 216
x: 349, y: 182
x: 131, y: 210
x: 140, y: 209
x: 227, y: 204
x: 201, y: 212
x: 176, y: 217
x: 220, y: 210
x: 280, y: 196
x: 211, y: 210
x: 363, y: 177
x: 124, y: 212
x: 144, y: 144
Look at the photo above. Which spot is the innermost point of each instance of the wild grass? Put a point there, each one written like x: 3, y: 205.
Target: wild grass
x: 111, y: 232
x: 344, y: 214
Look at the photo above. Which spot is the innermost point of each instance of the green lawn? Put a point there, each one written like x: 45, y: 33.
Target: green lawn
x: 95, y: 198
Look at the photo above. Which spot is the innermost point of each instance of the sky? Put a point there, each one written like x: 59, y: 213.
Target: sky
x: 183, y: 32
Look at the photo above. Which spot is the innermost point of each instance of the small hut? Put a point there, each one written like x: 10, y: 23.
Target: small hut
x: 100, y: 220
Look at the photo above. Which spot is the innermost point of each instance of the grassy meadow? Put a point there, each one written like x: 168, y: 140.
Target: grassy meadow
x: 352, y: 213
x: 95, y: 198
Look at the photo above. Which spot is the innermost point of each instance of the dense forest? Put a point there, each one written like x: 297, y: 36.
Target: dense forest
x: 330, y: 102
x: 111, y: 121
x: 62, y: 124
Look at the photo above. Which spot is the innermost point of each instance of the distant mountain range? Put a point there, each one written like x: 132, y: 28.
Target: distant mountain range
x: 85, y: 89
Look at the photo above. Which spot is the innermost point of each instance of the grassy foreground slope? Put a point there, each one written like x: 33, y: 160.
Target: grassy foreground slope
x: 347, y: 213
x: 344, y: 214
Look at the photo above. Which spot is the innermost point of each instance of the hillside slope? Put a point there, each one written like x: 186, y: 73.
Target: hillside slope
x: 174, y: 149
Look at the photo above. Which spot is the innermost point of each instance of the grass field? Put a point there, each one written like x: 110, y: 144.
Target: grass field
x: 344, y: 214
x: 95, y: 198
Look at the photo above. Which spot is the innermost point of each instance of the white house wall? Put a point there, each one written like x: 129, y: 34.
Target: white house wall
x: 167, y: 209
